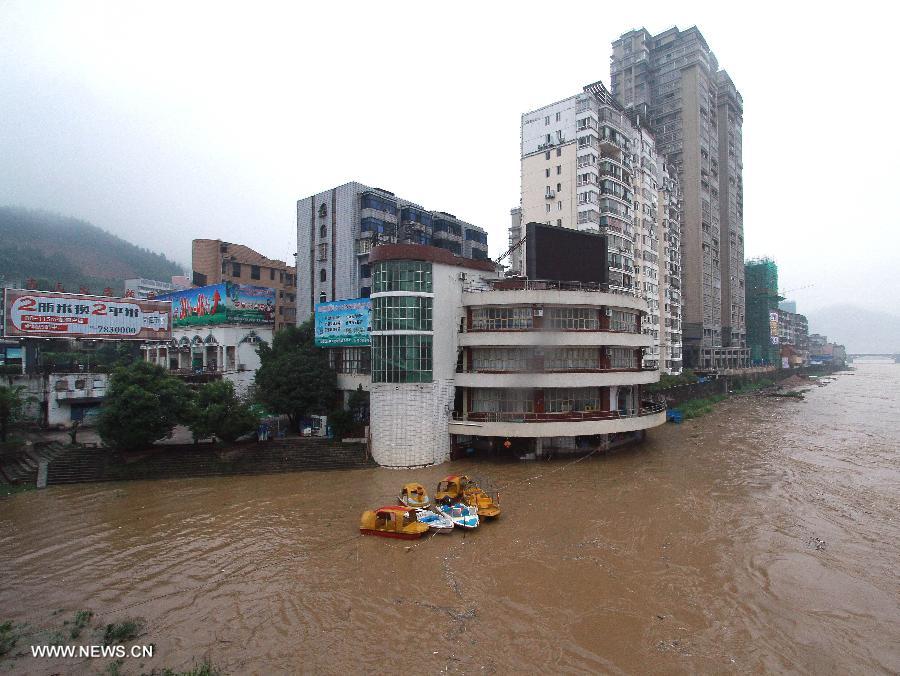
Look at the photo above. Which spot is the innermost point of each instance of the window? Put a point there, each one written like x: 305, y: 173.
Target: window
x: 401, y: 313
x: 322, y: 252
x: 547, y: 154
x: 402, y: 276
x: 507, y: 401
x: 558, y: 116
x: 323, y: 231
x: 254, y: 272
x: 547, y: 172
x: 476, y: 236
x: 558, y: 153
x: 235, y: 269
x: 370, y: 201
x: 559, y: 206
x: 558, y: 187
x: 546, y: 138
x: 322, y: 297
x: 323, y: 276
x: 573, y: 319
x: 622, y: 358
x: 350, y: 359
x: 623, y: 321
x: 559, y: 222
x: 501, y: 318
x: 365, y: 270
x: 271, y: 274
x: 548, y: 207
x: 500, y: 359
x: 558, y: 169
x: 547, y: 120
x: 401, y: 359
x: 567, y: 399
x: 571, y: 358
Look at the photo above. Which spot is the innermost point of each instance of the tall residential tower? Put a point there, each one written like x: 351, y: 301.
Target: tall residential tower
x: 673, y: 83
x: 588, y: 165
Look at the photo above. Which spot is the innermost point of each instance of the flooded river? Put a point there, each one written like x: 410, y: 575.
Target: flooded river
x: 764, y: 537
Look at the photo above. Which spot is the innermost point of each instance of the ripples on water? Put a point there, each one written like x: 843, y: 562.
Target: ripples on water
x: 760, y: 538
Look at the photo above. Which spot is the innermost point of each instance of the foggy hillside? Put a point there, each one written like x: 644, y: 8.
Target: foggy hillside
x: 51, y: 248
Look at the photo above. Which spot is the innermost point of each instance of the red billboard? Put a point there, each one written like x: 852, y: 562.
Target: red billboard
x: 52, y: 314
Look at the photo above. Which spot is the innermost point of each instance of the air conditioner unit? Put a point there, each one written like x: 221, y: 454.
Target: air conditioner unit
x: 463, y: 276
x: 538, y: 312
x: 607, y: 312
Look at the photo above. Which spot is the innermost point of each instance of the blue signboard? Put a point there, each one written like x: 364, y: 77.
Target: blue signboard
x: 344, y: 323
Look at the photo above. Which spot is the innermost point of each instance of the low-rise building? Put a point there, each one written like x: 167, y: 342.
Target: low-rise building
x: 216, y: 330
x: 461, y: 357
x: 214, y: 261
x: 141, y: 287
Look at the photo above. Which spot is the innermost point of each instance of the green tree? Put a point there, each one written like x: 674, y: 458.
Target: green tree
x: 219, y: 412
x: 12, y: 405
x: 142, y: 405
x: 294, y: 378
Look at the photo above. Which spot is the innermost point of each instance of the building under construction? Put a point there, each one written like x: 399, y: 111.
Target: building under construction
x: 761, y: 276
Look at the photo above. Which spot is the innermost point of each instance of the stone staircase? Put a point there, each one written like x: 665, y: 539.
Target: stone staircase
x: 22, y: 468
x: 169, y: 461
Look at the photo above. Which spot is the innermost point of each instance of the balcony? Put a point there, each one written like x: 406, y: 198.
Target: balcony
x: 595, y: 378
x: 565, y: 424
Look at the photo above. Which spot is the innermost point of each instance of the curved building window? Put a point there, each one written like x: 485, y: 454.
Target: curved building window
x: 323, y: 232
x: 402, y: 276
x: 501, y: 318
x: 401, y: 359
x: 573, y: 319
x: 402, y: 313
x: 323, y: 276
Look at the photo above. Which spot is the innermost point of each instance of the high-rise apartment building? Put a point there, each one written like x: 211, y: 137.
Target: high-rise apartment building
x: 337, y: 228
x: 672, y: 82
x: 588, y: 165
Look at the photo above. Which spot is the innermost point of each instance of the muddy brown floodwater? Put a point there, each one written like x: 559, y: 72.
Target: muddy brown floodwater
x: 760, y: 538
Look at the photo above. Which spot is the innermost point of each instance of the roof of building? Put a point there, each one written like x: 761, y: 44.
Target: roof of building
x: 244, y: 254
x: 423, y: 252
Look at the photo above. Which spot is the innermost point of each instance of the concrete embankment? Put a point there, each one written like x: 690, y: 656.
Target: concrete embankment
x: 168, y: 462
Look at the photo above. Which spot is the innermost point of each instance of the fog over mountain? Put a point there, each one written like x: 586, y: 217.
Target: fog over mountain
x: 859, y: 329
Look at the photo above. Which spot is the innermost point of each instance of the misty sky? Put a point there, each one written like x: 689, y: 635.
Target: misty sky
x: 166, y: 121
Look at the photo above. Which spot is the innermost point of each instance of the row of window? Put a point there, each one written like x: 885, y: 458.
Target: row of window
x: 370, y: 224
x: 255, y: 273
x: 354, y: 360
x: 556, y: 400
x: 401, y: 359
x: 401, y: 313
x: 523, y: 359
x: 556, y: 318
x: 402, y: 276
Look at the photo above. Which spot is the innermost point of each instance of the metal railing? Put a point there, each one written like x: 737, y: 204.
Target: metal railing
x: 524, y: 284
x: 565, y: 416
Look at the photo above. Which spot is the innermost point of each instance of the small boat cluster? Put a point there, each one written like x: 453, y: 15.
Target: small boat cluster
x: 459, y: 502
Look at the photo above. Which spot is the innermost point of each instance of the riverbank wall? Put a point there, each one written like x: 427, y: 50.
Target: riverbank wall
x: 723, y: 384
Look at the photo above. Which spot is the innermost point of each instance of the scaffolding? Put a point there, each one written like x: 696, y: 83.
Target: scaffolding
x: 761, y: 275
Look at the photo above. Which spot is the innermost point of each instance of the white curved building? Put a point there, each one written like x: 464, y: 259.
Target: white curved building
x: 462, y: 358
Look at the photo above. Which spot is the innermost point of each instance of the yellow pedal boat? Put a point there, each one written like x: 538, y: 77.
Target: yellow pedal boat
x: 392, y: 521
x: 461, y: 488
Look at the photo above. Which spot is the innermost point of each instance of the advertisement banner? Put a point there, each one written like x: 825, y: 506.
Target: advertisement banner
x: 344, y: 323
x: 53, y: 314
x: 225, y: 303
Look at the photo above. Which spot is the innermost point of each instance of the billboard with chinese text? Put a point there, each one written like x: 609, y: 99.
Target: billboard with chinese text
x: 53, y: 314
x: 225, y: 303
x: 344, y: 323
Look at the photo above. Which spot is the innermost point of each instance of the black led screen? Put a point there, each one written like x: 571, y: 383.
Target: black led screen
x: 565, y: 255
